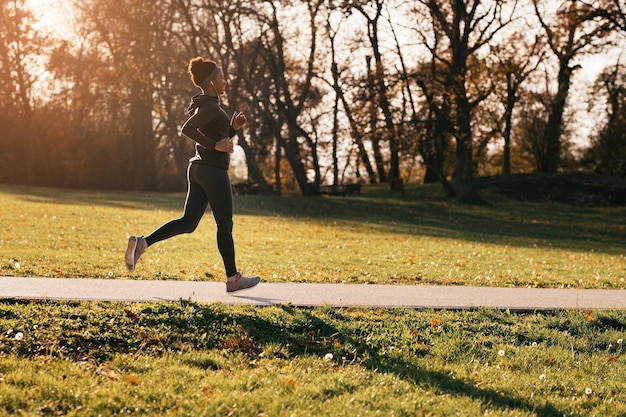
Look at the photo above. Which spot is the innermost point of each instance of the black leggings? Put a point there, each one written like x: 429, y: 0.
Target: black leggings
x: 207, y: 186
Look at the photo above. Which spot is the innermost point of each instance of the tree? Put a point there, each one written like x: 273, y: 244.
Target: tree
x: 21, y: 45
x: 515, y: 61
x: 292, y: 89
x: 339, y: 87
x: 132, y: 40
x: 467, y: 26
x: 614, y: 11
x: 435, y: 140
x: 376, y: 83
x: 607, y: 153
x: 576, y: 30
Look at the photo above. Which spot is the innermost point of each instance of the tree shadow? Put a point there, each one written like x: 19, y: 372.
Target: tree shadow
x: 155, y: 329
x: 503, y: 221
x: 314, y: 336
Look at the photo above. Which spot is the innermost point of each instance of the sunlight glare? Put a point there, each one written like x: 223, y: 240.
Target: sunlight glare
x: 53, y: 16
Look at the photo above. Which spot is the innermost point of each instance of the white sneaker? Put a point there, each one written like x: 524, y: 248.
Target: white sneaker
x: 239, y: 282
x: 136, y: 247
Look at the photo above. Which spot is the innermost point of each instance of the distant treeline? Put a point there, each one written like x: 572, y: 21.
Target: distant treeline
x: 336, y: 92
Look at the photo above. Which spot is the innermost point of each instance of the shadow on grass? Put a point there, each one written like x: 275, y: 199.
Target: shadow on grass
x: 102, y: 331
x: 424, y: 212
x: 115, y: 199
x: 442, y: 382
x: 302, y: 338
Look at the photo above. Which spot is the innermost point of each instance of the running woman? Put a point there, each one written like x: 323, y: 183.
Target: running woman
x: 207, y: 174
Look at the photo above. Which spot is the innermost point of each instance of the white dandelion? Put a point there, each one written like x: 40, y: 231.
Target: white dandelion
x: 588, y: 391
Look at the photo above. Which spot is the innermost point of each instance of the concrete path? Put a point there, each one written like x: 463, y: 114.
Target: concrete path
x: 340, y: 295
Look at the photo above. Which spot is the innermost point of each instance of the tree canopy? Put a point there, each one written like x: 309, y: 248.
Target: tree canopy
x: 335, y: 92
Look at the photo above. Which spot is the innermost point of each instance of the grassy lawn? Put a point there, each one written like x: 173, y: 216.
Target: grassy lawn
x: 192, y: 359
x: 376, y: 238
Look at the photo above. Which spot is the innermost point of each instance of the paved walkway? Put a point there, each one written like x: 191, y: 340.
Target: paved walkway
x: 340, y: 295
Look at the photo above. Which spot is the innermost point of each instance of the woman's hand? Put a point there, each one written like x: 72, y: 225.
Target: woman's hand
x: 225, y: 145
x: 238, y: 120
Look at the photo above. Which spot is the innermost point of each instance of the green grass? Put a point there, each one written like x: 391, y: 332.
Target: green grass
x: 192, y: 359
x: 189, y: 359
x: 376, y: 238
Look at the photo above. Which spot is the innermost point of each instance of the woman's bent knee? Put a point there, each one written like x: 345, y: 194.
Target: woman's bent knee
x: 188, y: 225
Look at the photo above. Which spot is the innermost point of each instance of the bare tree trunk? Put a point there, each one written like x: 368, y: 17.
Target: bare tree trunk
x: 290, y: 104
x: 508, y: 121
x: 375, y: 135
x: 334, y: 136
x: 255, y: 175
x: 292, y: 153
x: 356, y: 134
x: 378, y: 85
x: 466, y: 190
x: 555, y: 120
x: 277, y: 173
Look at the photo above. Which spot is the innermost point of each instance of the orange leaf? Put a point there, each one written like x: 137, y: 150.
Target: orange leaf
x: 337, y: 343
x: 131, y: 314
x: 290, y: 382
x: 131, y: 379
x: 612, y: 358
x: 435, y: 322
x: 550, y: 360
x: 414, y: 332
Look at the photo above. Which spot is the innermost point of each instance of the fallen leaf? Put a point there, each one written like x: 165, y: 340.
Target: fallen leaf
x: 131, y: 314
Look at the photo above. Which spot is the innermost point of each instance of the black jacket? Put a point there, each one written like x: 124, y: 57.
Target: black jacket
x: 208, y: 124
